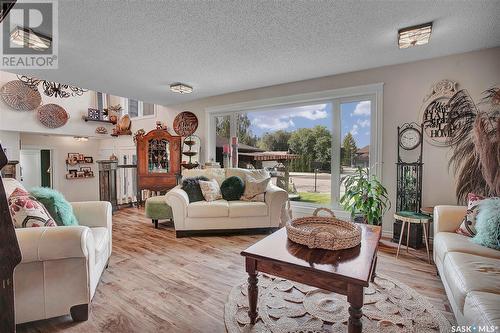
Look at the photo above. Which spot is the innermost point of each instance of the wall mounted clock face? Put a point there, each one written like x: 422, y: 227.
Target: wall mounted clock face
x: 409, y: 138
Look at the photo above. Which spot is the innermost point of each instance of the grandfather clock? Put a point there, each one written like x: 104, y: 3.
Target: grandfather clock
x: 10, y: 257
x: 409, y: 179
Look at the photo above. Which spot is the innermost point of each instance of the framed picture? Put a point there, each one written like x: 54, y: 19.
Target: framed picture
x: 81, y: 157
x: 90, y: 173
x: 94, y: 114
x: 80, y: 174
x: 72, y: 173
x: 85, y: 169
x: 88, y: 159
x: 73, y: 158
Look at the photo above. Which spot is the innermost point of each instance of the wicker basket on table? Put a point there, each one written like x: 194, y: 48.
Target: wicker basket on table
x: 324, y: 232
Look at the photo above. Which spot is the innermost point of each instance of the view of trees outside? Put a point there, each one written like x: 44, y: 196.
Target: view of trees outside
x: 307, y: 132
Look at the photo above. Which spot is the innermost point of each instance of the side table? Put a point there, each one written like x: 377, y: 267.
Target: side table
x: 407, y: 217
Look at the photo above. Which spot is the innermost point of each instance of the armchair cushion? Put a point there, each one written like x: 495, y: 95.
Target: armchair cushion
x: 59, y: 208
x: 28, y: 212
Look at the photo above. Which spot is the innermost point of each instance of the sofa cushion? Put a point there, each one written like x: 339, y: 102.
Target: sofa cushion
x: 468, y: 225
x: 211, y: 173
x: 211, y: 190
x: 217, y: 208
x: 255, y: 189
x: 446, y: 242
x: 247, y: 209
x: 100, y: 242
x: 28, y: 212
x: 192, y: 188
x: 243, y: 173
x: 232, y: 188
x: 59, y: 208
x: 10, y: 184
x: 482, y: 308
x: 465, y: 273
x: 488, y: 224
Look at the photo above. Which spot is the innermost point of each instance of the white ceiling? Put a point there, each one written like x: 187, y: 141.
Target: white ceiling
x: 137, y: 48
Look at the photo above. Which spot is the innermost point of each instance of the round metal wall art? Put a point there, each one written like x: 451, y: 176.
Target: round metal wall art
x: 20, y: 96
x: 52, y: 115
x: 185, y: 123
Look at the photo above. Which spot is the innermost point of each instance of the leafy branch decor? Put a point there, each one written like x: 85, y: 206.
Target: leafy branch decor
x: 475, y: 143
x: 366, y: 196
x: 51, y: 88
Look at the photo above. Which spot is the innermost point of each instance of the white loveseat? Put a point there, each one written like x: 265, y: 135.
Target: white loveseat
x: 61, y: 266
x: 222, y: 215
x: 470, y: 272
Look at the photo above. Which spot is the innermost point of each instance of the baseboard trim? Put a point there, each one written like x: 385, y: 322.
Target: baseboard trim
x: 223, y: 232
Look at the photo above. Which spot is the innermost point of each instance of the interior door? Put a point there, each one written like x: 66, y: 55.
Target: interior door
x: 30, y: 163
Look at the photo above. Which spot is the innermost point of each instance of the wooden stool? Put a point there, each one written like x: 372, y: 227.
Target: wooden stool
x: 411, y: 217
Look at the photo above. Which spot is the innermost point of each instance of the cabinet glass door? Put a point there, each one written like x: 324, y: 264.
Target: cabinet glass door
x: 158, y: 156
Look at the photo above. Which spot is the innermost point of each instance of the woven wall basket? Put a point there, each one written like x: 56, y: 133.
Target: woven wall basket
x: 324, y: 232
x: 20, y: 96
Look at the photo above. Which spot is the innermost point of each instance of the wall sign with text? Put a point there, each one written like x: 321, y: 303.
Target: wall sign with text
x: 435, y: 112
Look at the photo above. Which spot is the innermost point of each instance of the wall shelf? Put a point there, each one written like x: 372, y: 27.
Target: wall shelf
x: 98, y: 120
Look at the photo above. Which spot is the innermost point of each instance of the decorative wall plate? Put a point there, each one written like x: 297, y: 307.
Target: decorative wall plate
x: 52, y: 115
x: 435, y: 112
x: 185, y: 123
x: 20, y: 96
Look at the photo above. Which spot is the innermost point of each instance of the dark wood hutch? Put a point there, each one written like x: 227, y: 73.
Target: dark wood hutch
x: 158, y: 160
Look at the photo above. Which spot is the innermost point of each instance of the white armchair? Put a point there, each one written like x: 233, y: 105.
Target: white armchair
x: 61, y: 266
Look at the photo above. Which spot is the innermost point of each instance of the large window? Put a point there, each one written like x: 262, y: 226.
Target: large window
x: 138, y: 109
x: 308, y: 147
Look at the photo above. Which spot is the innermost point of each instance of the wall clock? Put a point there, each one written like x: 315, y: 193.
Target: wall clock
x: 409, y: 138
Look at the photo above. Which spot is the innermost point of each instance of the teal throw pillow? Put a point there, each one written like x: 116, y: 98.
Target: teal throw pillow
x: 488, y: 224
x: 232, y: 188
x: 59, y: 208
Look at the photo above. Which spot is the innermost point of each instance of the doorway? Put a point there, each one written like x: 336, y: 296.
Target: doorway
x: 35, y: 166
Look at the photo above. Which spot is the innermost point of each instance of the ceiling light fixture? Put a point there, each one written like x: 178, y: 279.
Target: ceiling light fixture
x: 27, y: 37
x: 181, y: 88
x: 416, y: 35
x: 81, y: 138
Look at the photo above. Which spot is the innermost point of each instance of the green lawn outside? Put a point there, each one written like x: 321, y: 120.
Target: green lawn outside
x: 317, y: 198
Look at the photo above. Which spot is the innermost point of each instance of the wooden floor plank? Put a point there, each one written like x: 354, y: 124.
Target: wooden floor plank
x: 159, y: 283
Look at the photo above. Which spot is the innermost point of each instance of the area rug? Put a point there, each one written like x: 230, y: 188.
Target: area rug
x: 287, y: 306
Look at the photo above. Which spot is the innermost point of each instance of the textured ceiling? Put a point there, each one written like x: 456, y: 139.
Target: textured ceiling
x: 137, y: 48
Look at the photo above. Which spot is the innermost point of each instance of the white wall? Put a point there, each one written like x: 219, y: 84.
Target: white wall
x: 405, y: 86
x: 86, y: 189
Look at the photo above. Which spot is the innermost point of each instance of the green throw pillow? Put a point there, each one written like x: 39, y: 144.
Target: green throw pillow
x: 59, y: 208
x: 488, y: 224
x: 232, y: 188
x: 192, y: 188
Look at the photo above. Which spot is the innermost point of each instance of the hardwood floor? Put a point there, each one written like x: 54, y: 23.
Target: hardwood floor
x: 158, y: 283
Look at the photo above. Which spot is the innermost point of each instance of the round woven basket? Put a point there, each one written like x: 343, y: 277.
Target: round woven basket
x: 324, y: 232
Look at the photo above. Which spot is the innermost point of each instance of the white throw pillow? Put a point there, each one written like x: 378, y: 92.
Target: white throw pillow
x: 255, y: 189
x: 210, y: 189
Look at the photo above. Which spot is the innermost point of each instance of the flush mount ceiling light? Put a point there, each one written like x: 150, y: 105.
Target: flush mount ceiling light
x: 181, y: 88
x: 26, y: 37
x: 416, y: 35
x: 81, y: 138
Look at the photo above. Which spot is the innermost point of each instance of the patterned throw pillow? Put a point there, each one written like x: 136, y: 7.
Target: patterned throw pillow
x: 468, y: 225
x: 210, y: 190
x: 255, y: 189
x: 27, y: 212
x: 191, y: 186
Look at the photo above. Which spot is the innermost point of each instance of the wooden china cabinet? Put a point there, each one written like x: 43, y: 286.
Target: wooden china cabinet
x: 158, y: 160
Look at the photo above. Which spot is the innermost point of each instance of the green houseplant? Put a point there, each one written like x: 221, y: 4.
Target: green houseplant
x: 365, y: 196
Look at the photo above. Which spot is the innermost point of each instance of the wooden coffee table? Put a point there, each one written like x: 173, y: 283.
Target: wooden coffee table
x: 344, y: 272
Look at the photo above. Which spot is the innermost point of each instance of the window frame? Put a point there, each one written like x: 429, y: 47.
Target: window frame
x: 371, y: 92
x: 140, y: 109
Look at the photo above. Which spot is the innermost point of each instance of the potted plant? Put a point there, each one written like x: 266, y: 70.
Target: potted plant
x: 365, y: 197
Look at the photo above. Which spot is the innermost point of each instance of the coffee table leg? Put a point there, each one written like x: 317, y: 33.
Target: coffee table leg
x: 374, y: 272
x: 253, y: 290
x: 355, y: 298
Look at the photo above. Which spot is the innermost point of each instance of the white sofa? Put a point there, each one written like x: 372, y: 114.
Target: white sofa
x: 61, y: 266
x: 222, y: 215
x: 470, y: 272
